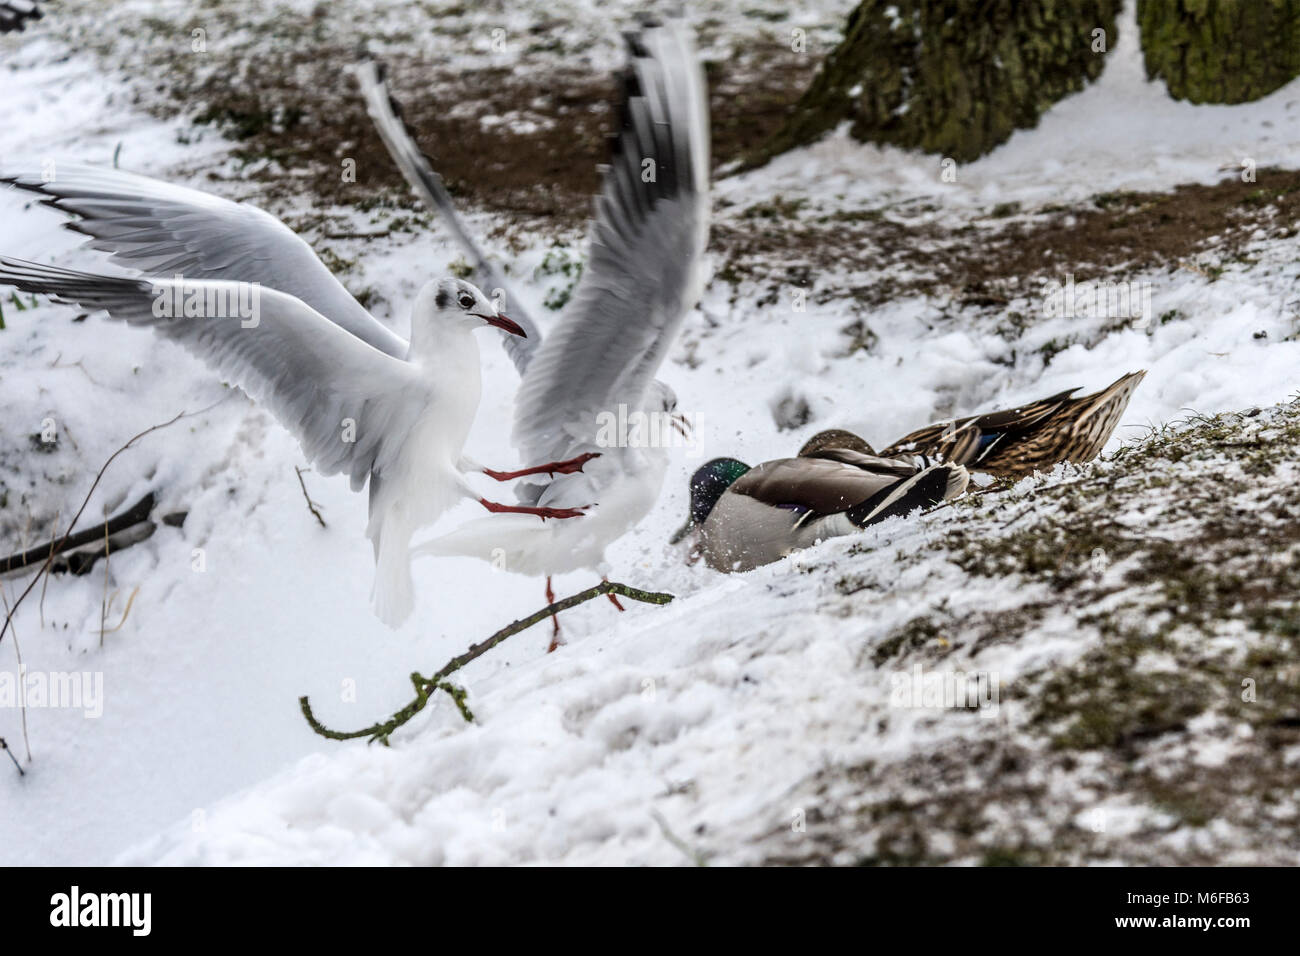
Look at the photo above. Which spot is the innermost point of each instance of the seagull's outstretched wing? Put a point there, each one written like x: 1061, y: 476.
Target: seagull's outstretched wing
x: 161, y: 229
x: 347, y: 403
x: 427, y: 184
x: 644, y: 270
x: 14, y: 14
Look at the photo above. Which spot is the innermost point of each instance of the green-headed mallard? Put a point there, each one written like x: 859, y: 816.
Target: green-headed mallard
x: 744, y: 517
x: 1011, y: 443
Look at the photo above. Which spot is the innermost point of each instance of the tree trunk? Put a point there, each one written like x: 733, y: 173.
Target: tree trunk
x: 954, y: 78
x: 1220, y: 51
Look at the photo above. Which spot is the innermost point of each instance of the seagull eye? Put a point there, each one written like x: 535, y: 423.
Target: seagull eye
x: 466, y: 300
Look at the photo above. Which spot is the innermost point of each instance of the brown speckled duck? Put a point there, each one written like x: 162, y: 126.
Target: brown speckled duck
x: 1010, y: 443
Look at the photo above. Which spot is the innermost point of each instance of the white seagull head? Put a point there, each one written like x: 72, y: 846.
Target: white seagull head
x: 455, y: 303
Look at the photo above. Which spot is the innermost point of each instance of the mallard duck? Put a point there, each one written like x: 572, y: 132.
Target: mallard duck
x: 743, y: 517
x: 1010, y: 443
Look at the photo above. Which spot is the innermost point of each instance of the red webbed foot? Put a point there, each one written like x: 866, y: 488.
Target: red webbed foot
x: 543, y: 513
x: 552, y: 468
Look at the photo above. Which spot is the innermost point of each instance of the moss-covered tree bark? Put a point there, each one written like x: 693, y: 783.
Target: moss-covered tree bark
x: 1220, y: 51
x: 953, y: 77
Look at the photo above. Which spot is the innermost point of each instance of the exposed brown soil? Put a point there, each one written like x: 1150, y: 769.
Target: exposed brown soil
x: 538, y: 168
x: 993, y: 260
x: 291, y: 111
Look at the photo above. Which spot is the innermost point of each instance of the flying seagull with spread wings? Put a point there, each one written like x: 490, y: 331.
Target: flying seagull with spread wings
x: 239, y: 289
x: 644, y: 271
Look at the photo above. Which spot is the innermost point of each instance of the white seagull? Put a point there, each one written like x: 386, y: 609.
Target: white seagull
x: 251, y: 299
x: 644, y: 271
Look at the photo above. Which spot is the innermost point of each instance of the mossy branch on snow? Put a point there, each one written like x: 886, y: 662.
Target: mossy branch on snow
x: 425, y: 687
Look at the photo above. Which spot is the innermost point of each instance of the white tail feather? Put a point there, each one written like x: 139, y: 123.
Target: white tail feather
x: 393, y: 595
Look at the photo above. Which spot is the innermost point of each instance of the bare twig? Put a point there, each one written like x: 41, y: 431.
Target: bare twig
x: 22, y: 698
x: 41, y: 606
x: 103, y: 601
x: 9, y: 616
x: 426, y: 686
x: 311, y: 505
x: 5, y: 747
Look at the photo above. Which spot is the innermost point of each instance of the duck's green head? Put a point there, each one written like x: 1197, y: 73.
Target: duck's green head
x: 707, y: 485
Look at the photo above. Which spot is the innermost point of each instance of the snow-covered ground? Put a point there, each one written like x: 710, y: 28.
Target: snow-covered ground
x: 699, y: 725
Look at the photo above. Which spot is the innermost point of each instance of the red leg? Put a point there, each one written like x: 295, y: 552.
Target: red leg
x: 542, y: 513
x: 555, y: 618
x: 550, y: 468
x: 613, y: 597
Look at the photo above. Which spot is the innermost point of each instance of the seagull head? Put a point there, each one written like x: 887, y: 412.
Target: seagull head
x: 708, y: 484
x: 462, y: 303
x: 664, y: 399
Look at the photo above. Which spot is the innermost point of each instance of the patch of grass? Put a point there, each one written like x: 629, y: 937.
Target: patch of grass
x: 917, y: 633
x: 1113, y: 200
x: 563, y: 266
x: 775, y: 208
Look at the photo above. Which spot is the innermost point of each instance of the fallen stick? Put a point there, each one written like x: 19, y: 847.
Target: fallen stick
x: 82, y: 562
x: 136, y: 514
x: 425, y: 686
x: 311, y: 505
x: 44, y: 569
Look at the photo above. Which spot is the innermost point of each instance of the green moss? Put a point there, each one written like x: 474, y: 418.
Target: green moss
x: 1111, y: 200
x: 950, y: 78
x: 561, y: 264
x: 1105, y: 701
x: 917, y: 633
x: 1220, y: 51
x: 776, y: 208
x: 1006, y: 856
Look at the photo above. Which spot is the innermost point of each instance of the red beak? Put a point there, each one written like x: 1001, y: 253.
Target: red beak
x: 501, y: 322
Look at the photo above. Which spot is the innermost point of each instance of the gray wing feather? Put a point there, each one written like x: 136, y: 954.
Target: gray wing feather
x: 644, y: 270
x: 427, y: 184
x: 311, y: 374
x: 162, y: 229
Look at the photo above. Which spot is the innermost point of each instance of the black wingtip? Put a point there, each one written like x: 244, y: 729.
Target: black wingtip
x: 927, y: 490
x: 396, y: 107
